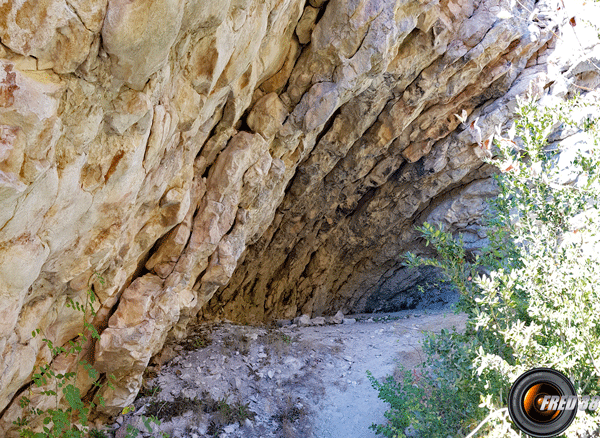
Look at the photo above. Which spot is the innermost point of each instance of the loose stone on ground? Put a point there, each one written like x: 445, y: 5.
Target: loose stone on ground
x: 302, y: 379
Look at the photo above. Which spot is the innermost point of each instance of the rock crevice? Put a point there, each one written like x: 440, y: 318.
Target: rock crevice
x: 248, y: 160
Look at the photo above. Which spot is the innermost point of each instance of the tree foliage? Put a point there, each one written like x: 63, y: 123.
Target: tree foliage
x: 531, y: 296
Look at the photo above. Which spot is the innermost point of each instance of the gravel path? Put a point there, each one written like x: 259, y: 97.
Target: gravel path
x: 233, y: 381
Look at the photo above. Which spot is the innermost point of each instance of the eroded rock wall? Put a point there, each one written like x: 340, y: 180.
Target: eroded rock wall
x: 243, y: 159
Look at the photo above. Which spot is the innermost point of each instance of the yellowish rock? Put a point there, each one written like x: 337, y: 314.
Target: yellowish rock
x: 249, y: 160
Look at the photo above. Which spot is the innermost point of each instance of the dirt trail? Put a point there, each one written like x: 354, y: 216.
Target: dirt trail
x: 234, y: 381
x: 349, y: 409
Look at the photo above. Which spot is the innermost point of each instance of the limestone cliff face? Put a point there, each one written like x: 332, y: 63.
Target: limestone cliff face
x: 245, y: 159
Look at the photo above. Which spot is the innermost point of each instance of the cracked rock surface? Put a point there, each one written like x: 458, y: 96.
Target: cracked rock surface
x: 246, y: 160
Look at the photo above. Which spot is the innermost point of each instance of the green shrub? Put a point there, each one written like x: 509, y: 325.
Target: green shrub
x: 531, y: 296
x: 69, y: 416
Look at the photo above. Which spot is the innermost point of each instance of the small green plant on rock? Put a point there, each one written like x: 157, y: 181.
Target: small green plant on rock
x: 133, y: 432
x: 235, y: 412
x: 68, y: 418
x: 200, y: 343
x: 71, y: 420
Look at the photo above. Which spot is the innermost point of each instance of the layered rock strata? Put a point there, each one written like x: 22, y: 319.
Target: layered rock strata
x: 243, y: 159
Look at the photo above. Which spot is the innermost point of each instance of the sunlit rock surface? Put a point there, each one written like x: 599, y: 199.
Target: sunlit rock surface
x: 243, y: 159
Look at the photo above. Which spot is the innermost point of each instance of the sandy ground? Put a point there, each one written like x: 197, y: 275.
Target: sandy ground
x: 233, y: 381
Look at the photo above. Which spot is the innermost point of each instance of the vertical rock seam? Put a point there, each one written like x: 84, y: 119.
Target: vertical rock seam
x: 244, y: 159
